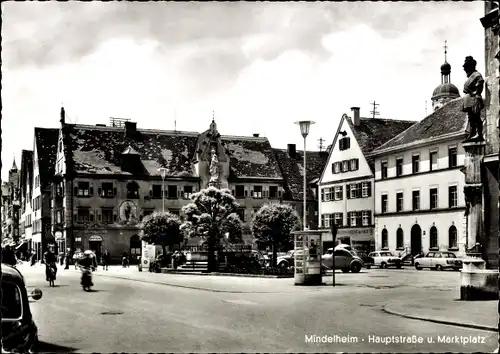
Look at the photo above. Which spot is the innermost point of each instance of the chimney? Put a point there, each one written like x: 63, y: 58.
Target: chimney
x: 255, y: 135
x: 292, y: 150
x: 63, y: 116
x: 356, y: 120
x: 130, y: 129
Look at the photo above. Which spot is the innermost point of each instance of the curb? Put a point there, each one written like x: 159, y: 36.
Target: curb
x: 227, y: 274
x: 449, y: 323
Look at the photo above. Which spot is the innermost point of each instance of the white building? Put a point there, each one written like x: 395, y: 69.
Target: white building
x: 25, y: 185
x: 419, y: 199
x: 346, y: 184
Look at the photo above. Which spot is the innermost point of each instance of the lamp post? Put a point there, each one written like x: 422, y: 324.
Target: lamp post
x: 163, y: 173
x: 304, y: 130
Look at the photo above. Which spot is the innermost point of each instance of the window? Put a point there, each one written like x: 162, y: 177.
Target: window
x: 345, y: 166
x: 172, y: 192
x: 326, y: 219
x: 107, y: 215
x: 241, y: 213
x: 353, y: 164
x: 58, y: 216
x: 83, y: 215
x: 433, y: 160
x: 452, y: 237
x: 107, y: 190
x: 257, y: 191
x: 339, y: 219
x: 399, y: 238
x: 452, y: 197
x: 415, y: 163
x: 339, y: 192
x: 83, y: 189
x: 367, y: 217
x: 132, y: 190
x: 416, y: 200
x: 383, y: 203
x: 336, y: 167
x: 240, y: 191
x: 433, y: 196
x: 383, y: 169
x: 188, y: 191
x: 273, y: 192
x: 399, y: 201
x: 353, y: 218
x: 354, y: 190
x: 344, y: 143
x: 452, y: 157
x: 11, y: 303
x: 385, y: 238
x: 433, y: 237
x: 366, y: 189
x: 156, y: 191
x: 327, y: 194
x: 399, y: 166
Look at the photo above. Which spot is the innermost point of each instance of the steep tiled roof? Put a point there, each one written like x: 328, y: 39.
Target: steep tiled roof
x: 46, y: 147
x: 446, y: 120
x: 99, y: 149
x: 292, y: 169
x: 373, y: 132
x: 26, y: 171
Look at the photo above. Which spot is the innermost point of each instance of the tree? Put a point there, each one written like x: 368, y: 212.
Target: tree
x: 212, y: 215
x: 272, y: 225
x: 162, y: 229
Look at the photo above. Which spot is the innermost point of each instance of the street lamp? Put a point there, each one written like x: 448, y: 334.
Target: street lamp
x: 163, y: 173
x: 304, y: 130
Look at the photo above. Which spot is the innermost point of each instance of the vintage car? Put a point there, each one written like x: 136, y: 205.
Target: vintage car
x: 344, y: 260
x: 286, y: 260
x: 19, y: 331
x: 385, y: 259
x: 438, y: 260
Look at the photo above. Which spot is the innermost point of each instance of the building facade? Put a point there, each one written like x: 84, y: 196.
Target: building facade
x: 11, y: 208
x: 26, y: 192
x: 106, y: 179
x: 490, y: 171
x: 347, y: 181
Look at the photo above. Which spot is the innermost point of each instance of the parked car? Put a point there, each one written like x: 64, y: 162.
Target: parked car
x: 19, y: 331
x: 286, y: 260
x: 438, y: 260
x: 385, y: 259
x: 344, y: 260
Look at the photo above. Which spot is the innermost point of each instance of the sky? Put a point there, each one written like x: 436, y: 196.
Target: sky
x: 256, y: 67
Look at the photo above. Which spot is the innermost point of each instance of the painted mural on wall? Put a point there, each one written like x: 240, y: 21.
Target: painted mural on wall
x: 128, y: 213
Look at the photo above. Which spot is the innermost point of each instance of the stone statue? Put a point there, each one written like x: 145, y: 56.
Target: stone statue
x: 473, y: 101
x: 214, y: 167
x: 128, y: 212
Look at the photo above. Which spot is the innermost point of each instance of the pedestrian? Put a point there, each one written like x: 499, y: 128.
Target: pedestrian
x: 124, y: 260
x: 8, y: 256
x: 33, y: 258
x: 105, y: 260
x: 68, y: 258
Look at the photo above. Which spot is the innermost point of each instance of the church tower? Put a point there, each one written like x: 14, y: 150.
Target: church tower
x: 446, y: 91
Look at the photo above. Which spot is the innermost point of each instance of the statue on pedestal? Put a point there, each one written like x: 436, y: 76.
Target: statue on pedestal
x: 473, y: 101
x: 214, y: 169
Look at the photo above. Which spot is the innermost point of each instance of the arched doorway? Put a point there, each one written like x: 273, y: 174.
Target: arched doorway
x: 135, y: 248
x: 416, y: 240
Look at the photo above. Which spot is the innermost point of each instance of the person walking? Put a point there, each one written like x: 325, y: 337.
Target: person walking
x: 105, y: 260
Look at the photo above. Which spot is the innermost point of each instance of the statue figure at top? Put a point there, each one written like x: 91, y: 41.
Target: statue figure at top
x: 214, y: 169
x: 473, y: 101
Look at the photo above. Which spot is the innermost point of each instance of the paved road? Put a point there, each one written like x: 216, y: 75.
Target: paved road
x: 161, y: 318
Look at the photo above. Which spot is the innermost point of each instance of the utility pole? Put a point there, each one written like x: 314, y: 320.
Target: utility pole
x: 374, y: 112
x: 321, y: 146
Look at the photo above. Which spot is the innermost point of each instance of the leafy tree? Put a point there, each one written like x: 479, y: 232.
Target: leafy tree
x: 273, y: 224
x: 162, y: 229
x: 212, y: 215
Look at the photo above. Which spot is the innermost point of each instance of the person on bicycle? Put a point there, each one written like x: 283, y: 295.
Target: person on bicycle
x: 50, y: 260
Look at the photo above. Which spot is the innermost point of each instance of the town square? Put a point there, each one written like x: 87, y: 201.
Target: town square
x: 250, y: 177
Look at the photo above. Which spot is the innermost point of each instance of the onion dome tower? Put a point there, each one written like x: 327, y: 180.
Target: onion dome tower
x: 446, y: 91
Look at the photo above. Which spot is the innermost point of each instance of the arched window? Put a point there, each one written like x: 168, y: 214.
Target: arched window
x: 385, y: 239
x: 433, y: 237
x: 132, y: 190
x: 452, y: 237
x: 399, y: 238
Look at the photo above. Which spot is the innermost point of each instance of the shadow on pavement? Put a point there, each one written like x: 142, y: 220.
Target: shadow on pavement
x: 44, y: 347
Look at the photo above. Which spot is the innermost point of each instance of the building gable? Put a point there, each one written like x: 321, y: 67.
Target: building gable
x: 338, y: 155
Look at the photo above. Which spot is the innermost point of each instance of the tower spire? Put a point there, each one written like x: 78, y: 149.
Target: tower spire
x: 14, y: 166
x: 445, y: 50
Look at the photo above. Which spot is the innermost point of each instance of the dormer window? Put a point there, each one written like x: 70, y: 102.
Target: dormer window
x: 132, y: 190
